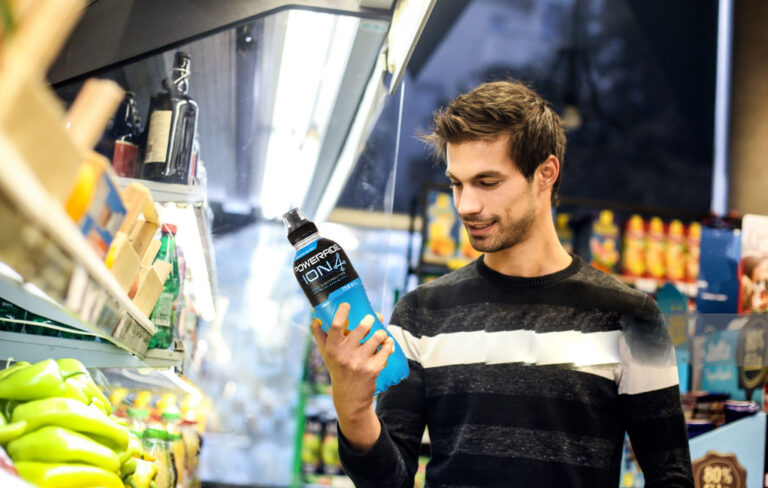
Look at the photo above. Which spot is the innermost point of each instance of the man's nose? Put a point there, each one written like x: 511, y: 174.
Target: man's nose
x: 468, y: 203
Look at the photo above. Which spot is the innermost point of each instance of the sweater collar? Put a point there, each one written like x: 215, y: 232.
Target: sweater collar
x: 532, y: 282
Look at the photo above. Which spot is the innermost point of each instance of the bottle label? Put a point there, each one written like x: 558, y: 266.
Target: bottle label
x: 323, y: 270
x: 161, y: 315
x: 159, y: 134
x: 124, y: 158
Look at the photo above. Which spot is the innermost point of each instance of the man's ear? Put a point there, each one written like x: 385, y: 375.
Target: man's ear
x: 547, y: 173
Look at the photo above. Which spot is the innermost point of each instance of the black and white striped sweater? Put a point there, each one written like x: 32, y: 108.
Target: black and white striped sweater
x: 528, y: 382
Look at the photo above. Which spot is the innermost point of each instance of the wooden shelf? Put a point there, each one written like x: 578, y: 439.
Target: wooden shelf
x: 44, y: 247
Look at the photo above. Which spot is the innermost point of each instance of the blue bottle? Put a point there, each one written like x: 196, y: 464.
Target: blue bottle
x: 328, y: 279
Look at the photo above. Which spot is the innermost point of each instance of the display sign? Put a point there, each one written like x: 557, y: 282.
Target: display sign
x: 753, y: 268
x: 718, y: 271
x: 717, y: 470
x: 752, y: 354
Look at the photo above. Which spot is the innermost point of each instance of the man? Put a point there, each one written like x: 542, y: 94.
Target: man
x: 527, y: 366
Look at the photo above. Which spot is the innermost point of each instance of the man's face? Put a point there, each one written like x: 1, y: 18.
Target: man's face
x: 493, y: 198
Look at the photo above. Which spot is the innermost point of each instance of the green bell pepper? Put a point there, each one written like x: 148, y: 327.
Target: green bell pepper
x: 39, y: 380
x: 70, y: 413
x: 10, y: 432
x: 50, y: 475
x: 79, y: 375
x: 60, y: 445
x: 128, y: 467
x: 15, y: 366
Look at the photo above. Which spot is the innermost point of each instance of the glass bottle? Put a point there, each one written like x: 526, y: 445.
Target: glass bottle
x: 171, y: 126
x: 156, y: 445
x: 126, y: 135
x: 164, y: 313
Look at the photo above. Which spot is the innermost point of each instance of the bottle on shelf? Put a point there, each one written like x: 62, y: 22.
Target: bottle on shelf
x: 126, y: 136
x: 164, y: 313
x: 156, y: 444
x: 171, y: 126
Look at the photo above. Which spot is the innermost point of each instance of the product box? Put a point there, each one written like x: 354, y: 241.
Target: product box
x: 95, y: 203
x: 753, y: 268
x: 733, y: 361
x: 604, y: 243
x: 718, y: 290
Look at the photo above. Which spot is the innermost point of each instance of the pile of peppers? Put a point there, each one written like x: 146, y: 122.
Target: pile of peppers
x: 56, y: 426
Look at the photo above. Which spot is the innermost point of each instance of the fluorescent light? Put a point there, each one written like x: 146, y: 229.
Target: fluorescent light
x: 315, y: 53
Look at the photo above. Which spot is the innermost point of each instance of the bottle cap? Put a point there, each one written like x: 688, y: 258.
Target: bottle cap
x: 298, y: 226
x: 155, y: 434
x: 170, y: 228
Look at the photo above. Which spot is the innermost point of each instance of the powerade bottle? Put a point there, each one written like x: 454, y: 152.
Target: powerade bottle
x: 328, y: 279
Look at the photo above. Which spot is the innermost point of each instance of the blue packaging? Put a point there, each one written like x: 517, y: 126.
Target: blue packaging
x: 328, y: 279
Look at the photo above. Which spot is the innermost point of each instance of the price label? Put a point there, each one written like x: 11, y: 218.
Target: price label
x: 717, y: 470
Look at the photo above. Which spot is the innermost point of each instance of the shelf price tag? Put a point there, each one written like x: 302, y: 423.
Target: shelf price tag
x: 717, y: 470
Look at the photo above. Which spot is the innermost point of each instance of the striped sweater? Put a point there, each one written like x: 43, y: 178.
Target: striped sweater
x: 528, y: 382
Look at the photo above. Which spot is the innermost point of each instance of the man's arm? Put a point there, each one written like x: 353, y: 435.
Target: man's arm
x: 649, y: 398
x: 373, y: 452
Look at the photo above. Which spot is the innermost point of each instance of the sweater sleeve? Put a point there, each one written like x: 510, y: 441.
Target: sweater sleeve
x: 649, y: 398
x: 393, y: 459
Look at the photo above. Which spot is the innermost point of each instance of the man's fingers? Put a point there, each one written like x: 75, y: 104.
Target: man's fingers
x: 370, y: 346
x: 362, y: 329
x: 336, y: 331
x: 381, y: 356
x: 320, y: 336
x: 381, y: 317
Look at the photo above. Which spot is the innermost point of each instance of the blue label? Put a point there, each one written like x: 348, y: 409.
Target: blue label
x: 306, y: 250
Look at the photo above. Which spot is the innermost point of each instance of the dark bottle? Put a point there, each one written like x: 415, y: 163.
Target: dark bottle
x: 170, y: 130
x: 125, y: 131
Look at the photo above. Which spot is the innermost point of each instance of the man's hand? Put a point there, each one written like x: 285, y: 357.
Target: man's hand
x: 353, y: 368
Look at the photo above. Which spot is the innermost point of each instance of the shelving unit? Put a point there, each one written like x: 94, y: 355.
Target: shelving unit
x: 32, y: 348
x: 51, y: 271
x: 190, y: 213
x: 169, y: 192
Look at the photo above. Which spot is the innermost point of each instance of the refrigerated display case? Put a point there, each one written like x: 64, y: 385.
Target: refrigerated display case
x: 287, y: 94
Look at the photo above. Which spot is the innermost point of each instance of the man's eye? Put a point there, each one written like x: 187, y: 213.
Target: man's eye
x: 489, y: 184
x: 455, y: 184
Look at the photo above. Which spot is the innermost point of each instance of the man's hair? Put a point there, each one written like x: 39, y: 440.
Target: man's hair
x: 503, y: 108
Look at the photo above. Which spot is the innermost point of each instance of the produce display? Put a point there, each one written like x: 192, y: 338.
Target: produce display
x: 57, y: 427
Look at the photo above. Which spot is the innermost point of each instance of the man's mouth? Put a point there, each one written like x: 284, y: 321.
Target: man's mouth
x: 478, y: 227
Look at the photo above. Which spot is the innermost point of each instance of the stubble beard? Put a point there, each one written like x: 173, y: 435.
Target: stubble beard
x: 508, y: 235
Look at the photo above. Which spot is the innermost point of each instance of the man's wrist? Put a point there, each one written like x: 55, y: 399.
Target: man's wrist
x: 361, y: 429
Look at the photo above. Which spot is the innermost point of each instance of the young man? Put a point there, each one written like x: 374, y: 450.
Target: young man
x: 527, y: 366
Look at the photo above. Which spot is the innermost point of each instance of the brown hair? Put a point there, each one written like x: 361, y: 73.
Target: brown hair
x: 502, y: 108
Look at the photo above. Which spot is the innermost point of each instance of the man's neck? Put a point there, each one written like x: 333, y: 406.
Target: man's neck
x: 539, y: 254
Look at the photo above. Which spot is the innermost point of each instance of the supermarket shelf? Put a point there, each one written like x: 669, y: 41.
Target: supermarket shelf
x: 33, y: 348
x: 650, y: 285
x: 169, y: 192
x: 44, y: 247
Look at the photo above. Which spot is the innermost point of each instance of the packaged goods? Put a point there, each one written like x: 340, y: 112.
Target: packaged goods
x: 164, y: 313
x: 633, y: 253
x: 328, y: 279
x: 655, y: 249
x: 675, y: 251
x: 604, y: 243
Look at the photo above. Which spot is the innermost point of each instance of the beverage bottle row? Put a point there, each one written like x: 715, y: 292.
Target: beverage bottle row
x: 166, y: 150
